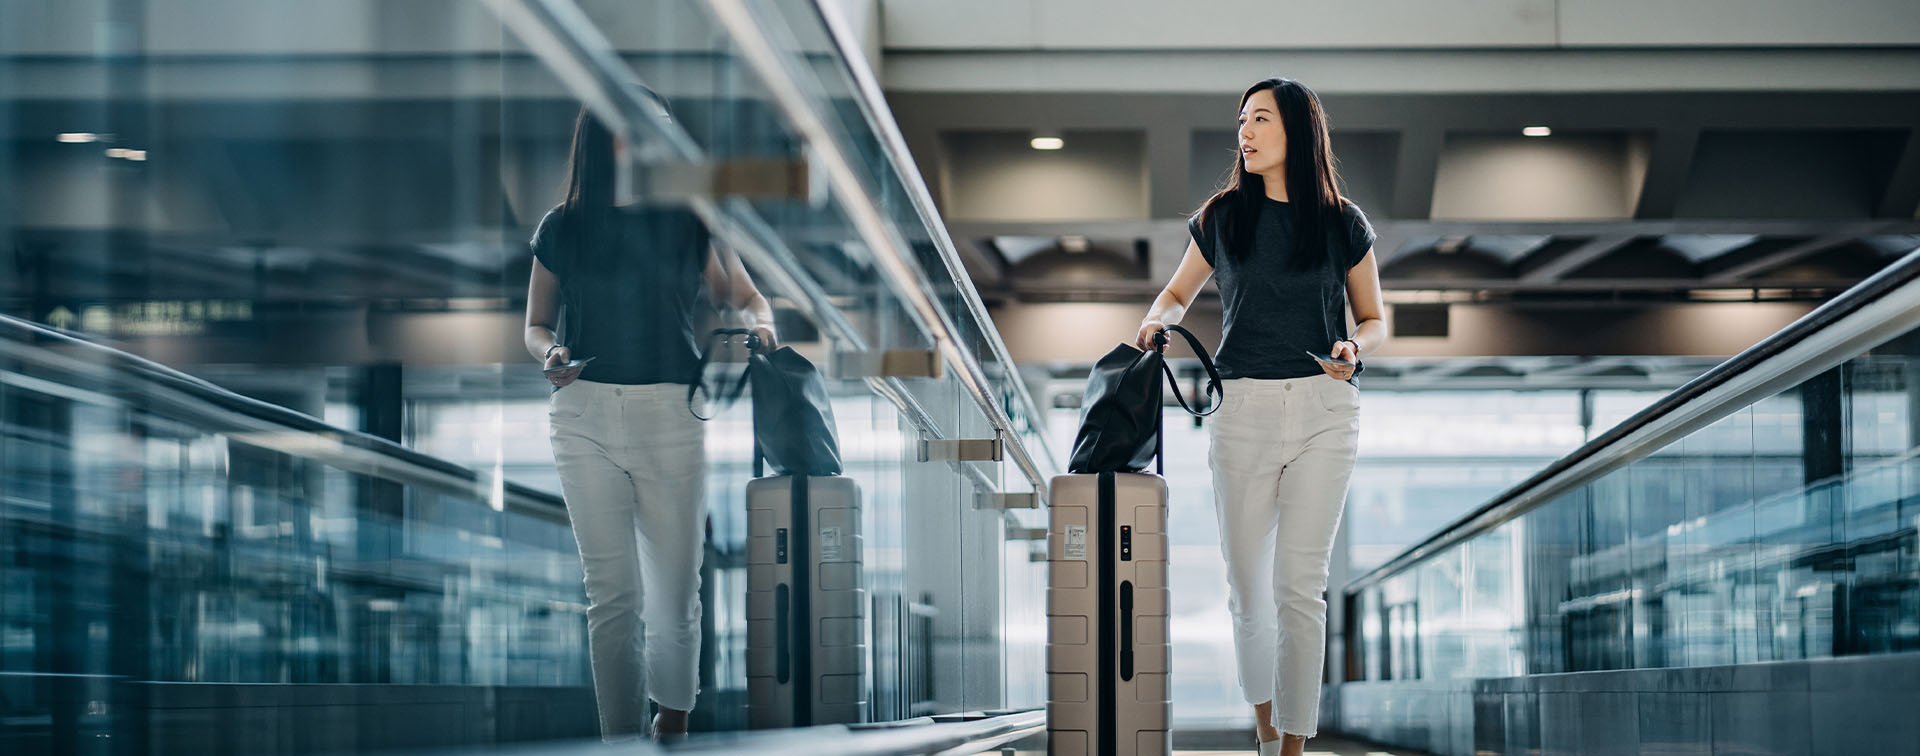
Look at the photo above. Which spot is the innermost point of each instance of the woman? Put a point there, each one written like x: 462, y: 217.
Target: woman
x: 1291, y: 253
x: 619, y: 284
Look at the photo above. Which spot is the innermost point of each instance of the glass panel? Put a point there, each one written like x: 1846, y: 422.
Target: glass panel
x: 339, y: 221
x: 1783, y: 530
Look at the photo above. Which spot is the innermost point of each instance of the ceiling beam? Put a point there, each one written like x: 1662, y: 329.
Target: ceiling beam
x: 1176, y: 228
x: 1140, y: 289
x: 1577, y: 258
x: 1414, y: 169
x: 1448, y: 368
x: 1902, y: 197
x: 1668, y: 163
x: 1169, y: 161
x: 1589, y: 366
x: 1786, y: 256
x: 1400, y: 70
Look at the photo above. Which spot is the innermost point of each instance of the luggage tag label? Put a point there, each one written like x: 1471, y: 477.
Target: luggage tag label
x: 829, y: 543
x: 1076, y: 545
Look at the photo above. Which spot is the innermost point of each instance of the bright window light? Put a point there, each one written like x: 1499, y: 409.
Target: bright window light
x: 1537, y: 131
x: 1048, y: 143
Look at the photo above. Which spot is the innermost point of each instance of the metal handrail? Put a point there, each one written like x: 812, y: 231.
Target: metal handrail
x: 266, y: 425
x: 862, y: 208
x: 907, y: 171
x: 1881, y: 307
x: 560, y: 34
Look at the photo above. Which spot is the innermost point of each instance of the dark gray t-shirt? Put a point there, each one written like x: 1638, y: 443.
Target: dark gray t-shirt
x: 629, y: 300
x: 1273, y: 312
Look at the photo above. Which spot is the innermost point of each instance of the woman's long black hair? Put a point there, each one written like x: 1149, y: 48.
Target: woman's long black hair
x: 589, y: 202
x: 1313, y: 188
x: 590, y: 164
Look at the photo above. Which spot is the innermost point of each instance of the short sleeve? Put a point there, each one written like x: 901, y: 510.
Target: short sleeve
x: 1202, y: 228
x: 546, y: 243
x: 1360, y: 234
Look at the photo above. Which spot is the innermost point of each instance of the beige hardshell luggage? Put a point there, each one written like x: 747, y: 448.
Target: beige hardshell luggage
x: 806, y: 603
x: 1107, y: 646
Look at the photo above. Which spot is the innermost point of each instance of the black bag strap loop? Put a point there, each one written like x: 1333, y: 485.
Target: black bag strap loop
x: 720, y: 337
x: 1214, y: 391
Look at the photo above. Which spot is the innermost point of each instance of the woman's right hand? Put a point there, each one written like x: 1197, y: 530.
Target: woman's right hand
x: 1148, y: 328
x: 559, y: 356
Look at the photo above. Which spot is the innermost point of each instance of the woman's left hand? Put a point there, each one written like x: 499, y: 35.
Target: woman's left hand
x: 1344, y: 350
x: 769, y: 340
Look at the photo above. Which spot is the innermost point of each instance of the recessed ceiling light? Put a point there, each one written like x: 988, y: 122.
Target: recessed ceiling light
x: 1048, y: 142
x: 116, y: 152
x: 137, y: 155
x: 78, y: 137
x: 1537, y: 131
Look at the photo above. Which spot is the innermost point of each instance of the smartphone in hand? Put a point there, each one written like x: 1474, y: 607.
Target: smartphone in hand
x: 565, y: 366
x: 1328, y: 359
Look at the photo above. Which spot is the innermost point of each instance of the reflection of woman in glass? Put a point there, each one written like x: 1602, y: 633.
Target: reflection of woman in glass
x: 1290, y: 254
x: 618, y: 283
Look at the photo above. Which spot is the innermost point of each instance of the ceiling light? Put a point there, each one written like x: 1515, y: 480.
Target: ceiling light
x: 137, y: 155
x: 116, y: 152
x: 1537, y: 131
x: 1075, y: 244
x: 78, y: 137
x: 1048, y: 141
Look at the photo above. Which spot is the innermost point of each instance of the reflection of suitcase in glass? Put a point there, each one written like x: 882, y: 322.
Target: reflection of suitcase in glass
x: 1107, y: 650
x: 806, y: 606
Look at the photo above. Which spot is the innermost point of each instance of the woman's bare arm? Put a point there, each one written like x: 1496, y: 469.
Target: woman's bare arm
x: 1369, y: 314
x: 543, y: 314
x: 728, y: 282
x: 1172, y: 304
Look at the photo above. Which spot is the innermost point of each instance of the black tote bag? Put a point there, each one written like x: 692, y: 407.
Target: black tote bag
x: 792, y: 418
x: 1121, y: 409
x: 793, y: 428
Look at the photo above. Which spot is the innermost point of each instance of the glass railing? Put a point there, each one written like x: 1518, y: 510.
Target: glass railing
x: 857, y: 251
x: 1766, y: 511
x: 292, y: 241
x: 158, y: 529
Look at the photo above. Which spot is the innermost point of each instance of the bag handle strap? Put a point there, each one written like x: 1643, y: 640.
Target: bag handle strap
x: 727, y: 396
x: 1214, y: 391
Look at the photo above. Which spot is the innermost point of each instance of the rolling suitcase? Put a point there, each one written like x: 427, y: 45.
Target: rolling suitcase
x: 1108, y: 655
x: 1107, y: 620
x: 806, y: 604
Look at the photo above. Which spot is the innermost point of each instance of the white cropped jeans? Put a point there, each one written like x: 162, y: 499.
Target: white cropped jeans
x: 632, y: 465
x: 1282, y: 453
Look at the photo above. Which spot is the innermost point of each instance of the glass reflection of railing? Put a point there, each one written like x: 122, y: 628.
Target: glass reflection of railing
x: 856, y: 168
x: 1768, y: 510
x: 238, y: 541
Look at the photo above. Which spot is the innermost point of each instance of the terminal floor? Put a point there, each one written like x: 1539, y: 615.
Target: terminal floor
x: 1228, y: 744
